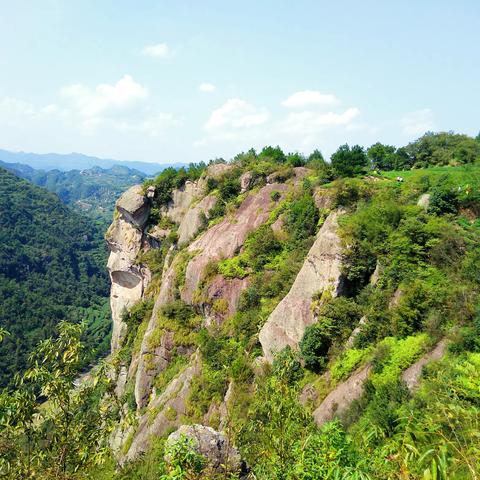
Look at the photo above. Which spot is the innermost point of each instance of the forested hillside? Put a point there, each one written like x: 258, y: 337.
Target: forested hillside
x: 52, y: 268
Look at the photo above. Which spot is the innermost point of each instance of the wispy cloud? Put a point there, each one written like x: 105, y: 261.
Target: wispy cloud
x: 160, y: 50
x: 308, y: 122
x: 207, y: 87
x: 310, y: 98
x: 236, y: 114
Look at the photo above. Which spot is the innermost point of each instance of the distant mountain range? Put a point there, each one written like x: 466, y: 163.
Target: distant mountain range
x: 87, y: 184
x: 78, y: 161
x: 92, y: 191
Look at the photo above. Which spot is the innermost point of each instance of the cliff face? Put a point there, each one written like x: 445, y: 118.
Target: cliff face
x: 125, y: 239
x: 320, y: 273
x: 186, y: 278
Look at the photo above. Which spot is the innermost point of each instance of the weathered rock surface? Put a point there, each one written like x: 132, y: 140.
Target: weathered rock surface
x: 324, y: 198
x: 223, y: 295
x: 396, y: 298
x: 412, y: 375
x: 124, y: 239
x: 221, y: 456
x: 245, y: 181
x: 218, y: 170
x: 338, y: 400
x: 356, y: 331
x: 182, y: 199
x: 152, y: 360
x: 225, y: 239
x: 321, y: 271
x: 166, y: 410
x: 133, y: 206
x: 192, y: 221
x: 155, y: 358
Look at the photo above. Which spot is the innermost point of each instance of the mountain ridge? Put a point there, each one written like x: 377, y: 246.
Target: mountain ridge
x: 79, y: 161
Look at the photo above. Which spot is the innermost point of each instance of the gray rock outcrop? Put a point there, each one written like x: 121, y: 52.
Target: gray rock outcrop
x: 165, y: 412
x: 192, y: 221
x: 220, y: 455
x: 341, y: 397
x: 412, y: 375
x: 321, y: 271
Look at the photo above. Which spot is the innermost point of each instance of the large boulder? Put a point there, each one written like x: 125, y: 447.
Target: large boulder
x: 134, y: 206
x: 321, y: 271
x: 220, y: 455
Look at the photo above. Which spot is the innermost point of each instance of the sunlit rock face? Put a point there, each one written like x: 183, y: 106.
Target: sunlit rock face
x: 321, y: 271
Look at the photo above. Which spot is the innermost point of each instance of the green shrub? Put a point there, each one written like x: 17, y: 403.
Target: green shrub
x: 302, y: 218
x: 235, y: 267
x: 314, y: 347
x: 347, y: 162
x: 184, y: 461
x: 275, y: 195
x: 347, y: 363
x: 394, y: 356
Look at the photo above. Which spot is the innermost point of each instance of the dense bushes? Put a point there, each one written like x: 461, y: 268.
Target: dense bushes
x: 335, y: 320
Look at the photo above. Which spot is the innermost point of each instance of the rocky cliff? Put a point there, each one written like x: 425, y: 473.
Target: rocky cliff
x: 125, y: 239
x: 186, y: 277
x: 235, y: 264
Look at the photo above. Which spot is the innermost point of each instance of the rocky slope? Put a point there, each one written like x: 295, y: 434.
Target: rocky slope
x: 204, y: 278
x: 320, y: 273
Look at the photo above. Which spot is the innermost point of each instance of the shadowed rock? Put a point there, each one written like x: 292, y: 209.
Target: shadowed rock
x: 341, y: 397
x: 220, y: 455
x: 412, y: 375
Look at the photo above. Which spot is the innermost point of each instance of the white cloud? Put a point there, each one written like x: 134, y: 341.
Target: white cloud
x: 310, y: 98
x: 105, y: 98
x: 160, y: 50
x: 153, y: 125
x: 309, y: 122
x: 207, y: 87
x: 418, y: 122
x: 236, y: 114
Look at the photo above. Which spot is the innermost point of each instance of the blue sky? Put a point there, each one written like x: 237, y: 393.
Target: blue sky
x: 192, y: 80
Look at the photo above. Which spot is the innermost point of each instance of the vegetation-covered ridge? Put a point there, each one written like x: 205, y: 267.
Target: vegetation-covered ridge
x: 51, y: 269
x: 384, y: 380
